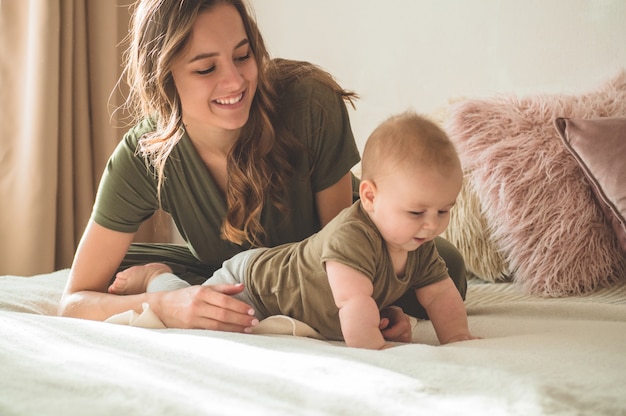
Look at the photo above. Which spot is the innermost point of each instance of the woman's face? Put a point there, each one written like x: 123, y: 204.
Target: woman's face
x: 216, y: 75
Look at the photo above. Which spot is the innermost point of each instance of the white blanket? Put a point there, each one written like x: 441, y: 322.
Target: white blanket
x: 538, y: 357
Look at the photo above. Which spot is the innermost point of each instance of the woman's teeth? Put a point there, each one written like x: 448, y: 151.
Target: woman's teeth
x: 229, y: 101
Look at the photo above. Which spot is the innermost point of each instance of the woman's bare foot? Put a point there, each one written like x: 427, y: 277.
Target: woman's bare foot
x: 135, y: 279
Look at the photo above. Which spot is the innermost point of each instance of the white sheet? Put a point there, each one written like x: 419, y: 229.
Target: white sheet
x: 539, y: 357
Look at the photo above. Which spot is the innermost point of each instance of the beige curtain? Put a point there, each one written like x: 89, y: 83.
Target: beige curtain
x: 59, y: 65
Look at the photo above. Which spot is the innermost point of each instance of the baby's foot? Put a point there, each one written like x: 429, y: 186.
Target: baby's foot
x: 135, y: 279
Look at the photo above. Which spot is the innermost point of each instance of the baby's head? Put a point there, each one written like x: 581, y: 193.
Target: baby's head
x: 406, y: 142
x: 411, y: 177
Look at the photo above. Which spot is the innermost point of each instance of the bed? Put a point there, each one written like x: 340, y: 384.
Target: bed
x: 540, y: 222
x: 537, y: 357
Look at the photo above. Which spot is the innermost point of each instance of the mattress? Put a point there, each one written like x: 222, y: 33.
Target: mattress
x: 537, y: 356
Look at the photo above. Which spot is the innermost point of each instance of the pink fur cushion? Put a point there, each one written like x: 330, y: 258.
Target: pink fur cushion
x: 599, y: 147
x: 538, y: 207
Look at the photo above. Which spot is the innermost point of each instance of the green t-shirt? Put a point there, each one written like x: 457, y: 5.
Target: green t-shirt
x: 291, y: 279
x: 127, y: 195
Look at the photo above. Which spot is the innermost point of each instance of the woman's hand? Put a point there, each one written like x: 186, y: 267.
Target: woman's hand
x: 204, y: 307
x: 395, y: 325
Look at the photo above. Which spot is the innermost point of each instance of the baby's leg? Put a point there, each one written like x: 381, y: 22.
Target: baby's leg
x: 136, y: 279
x: 166, y: 282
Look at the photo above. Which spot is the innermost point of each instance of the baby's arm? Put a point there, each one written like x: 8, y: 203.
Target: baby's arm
x: 358, y: 312
x: 446, y: 310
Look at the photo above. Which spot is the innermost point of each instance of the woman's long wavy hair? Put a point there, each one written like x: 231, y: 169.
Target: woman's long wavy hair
x: 259, y: 165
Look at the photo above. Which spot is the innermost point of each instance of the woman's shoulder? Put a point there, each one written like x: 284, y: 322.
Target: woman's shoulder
x: 308, y: 101
x: 140, y: 129
x: 127, y: 147
x: 309, y: 92
x: 130, y: 141
x: 302, y: 81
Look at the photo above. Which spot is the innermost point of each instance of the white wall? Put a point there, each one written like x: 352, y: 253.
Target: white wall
x: 418, y: 54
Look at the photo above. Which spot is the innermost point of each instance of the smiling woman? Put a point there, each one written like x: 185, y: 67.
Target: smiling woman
x: 241, y: 150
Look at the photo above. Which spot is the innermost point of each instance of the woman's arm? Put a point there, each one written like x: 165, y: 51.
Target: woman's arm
x: 333, y: 199
x: 98, y: 256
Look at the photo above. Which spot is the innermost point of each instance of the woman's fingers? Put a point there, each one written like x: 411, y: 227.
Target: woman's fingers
x: 220, y: 296
x: 227, y: 289
x: 207, y: 307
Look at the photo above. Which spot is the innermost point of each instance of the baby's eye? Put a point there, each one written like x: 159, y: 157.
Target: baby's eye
x: 206, y: 71
x: 443, y: 212
x: 416, y: 213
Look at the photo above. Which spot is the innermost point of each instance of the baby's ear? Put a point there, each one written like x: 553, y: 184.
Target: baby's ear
x: 367, y: 193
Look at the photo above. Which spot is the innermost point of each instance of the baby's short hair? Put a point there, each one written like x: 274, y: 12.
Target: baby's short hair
x: 406, y: 141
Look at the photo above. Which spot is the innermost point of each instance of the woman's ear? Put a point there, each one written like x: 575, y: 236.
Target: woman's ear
x: 367, y: 193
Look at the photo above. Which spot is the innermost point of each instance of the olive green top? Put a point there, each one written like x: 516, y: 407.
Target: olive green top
x: 127, y: 194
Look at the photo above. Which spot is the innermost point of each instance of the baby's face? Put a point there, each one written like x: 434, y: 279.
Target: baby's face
x: 410, y: 209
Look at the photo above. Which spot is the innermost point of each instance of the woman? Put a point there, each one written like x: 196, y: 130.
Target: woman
x: 241, y: 150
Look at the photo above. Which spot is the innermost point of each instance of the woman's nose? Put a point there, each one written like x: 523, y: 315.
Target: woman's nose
x: 231, y: 78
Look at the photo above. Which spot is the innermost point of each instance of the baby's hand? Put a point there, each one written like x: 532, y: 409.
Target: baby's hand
x: 395, y: 325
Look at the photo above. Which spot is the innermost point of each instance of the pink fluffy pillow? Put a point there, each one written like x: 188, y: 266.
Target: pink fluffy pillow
x: 538, y: 207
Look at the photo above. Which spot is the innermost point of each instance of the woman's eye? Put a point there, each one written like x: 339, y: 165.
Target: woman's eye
x: 206, y: 71
x: 243, y: 58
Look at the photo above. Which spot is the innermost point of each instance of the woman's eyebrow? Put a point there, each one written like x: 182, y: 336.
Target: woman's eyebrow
x: 205, y: 55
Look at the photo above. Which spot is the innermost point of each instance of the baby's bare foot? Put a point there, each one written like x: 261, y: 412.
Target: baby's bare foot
x: 135, y: 279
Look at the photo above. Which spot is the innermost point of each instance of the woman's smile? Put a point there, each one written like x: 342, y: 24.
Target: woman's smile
x: 230, y: 101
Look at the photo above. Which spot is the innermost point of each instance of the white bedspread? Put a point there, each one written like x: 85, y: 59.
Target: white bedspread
x: 538, y: 357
